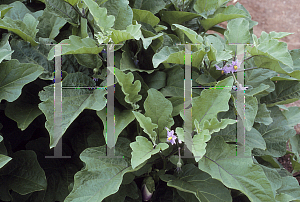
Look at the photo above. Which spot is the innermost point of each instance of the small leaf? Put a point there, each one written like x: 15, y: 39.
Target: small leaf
x: 142, y: 149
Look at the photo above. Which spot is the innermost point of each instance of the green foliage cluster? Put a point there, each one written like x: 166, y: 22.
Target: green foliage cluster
x: 149, y: 99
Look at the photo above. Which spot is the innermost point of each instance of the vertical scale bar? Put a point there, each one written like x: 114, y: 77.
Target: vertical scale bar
x: 187, y: 102
x: 240, y: 104
x: 110, y: 147
x: 58, y: 103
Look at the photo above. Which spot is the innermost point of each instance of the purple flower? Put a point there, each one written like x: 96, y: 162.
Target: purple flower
x: 231, y: 68
x: 171, y: 137
x: 103, y: 51
x: 95, y: 79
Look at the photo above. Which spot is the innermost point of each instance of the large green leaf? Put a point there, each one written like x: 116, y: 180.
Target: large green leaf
x: 236, y: 173
x: 214, y: 125
x: 4, y: 9
x: 62, y: 9
x: 207, y: 7
x: 26, y: 29
x: 177, y: 17
x: 103, y: 20
x: 49, y: 25
x: 191, y: 34
x: 145, y: 16
x: 122, y: 119
x: 289, y: 191
x: 19, y: 11
x: 131, y: 32
x: 285, y: 92
x: 154, y: 6
x: 25, y: 109
x: 89, y: 60
x: 211, y: 102
x: 147, y: 125
x: 126, y: 190
x: 25, y: 53
x: 77, y: 46
x: 275, y: 135
x: 101, y: 177
x: 22, y: 174
x: 130, y: 90
x: 274, y: 51
x: 74, y: 101
x: 122, y: 12
x: 192, y: 180
x: 175, y: 83
x: 292, y: 115
x: 5, y: 49
x: 221, y: 15
x: 159, y: 109
x: 142, y: 149
x: 14, y: 75
x: 237, y: 32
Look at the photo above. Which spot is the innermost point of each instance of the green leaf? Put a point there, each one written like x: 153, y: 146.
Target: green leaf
x: 103, y: 20
x: 292, y: 115
x: 142, y: 149
x: 200, y: 184
x: 122, y: 119
x: 25, y: 53
x: 62, y: 9
x: 72, y: 2
x: 159, y: 109
x: 74, y: 101
x: 131, y: 32
x: 275, y: 135
x: 4, y: 9
x: 147, y: 125
x: 22, y: 174
x: 154, y: 6
x: 211, y: 102
x: 14, y: 75
x: 274, y: 50
x: 199, y: 143
x: 25, y: 109
x: 237, y: 32
x: 5, y: 49
x: 129, y: 190
x: 248, y: 115
x: 3, y: 159
x: 122, y: 12
x: 89, y: 60
x: 221, y: 15
x: 248, y: 178
x: 130, y: 90
x: 285, y: 92
x: 289, y: 191
x: 145, y: 16
x: 208, y: 7
x: 177, y: 17
x: 263, y: 115
x: 175, y: 83
x: 26, y: 29
x: 101, y: 177
x: 19, y: 11
x: 77, y: 46
x: 191, y: 34
x: 214, y: 125
x: 49, y: 25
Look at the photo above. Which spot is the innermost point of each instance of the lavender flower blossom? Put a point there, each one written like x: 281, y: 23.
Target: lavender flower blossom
x: 95, y: 79
x: 171, y: 137
x: 231, y: 68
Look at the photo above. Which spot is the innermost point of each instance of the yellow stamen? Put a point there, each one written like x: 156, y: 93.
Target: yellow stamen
x: 169, y: 138
x: 222, y: 72
x: 235, y: 67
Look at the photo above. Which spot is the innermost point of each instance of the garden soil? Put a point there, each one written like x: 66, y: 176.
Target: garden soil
x: 278, y: 16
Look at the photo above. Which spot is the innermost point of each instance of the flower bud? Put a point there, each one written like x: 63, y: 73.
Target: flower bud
x: 148, y: 188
